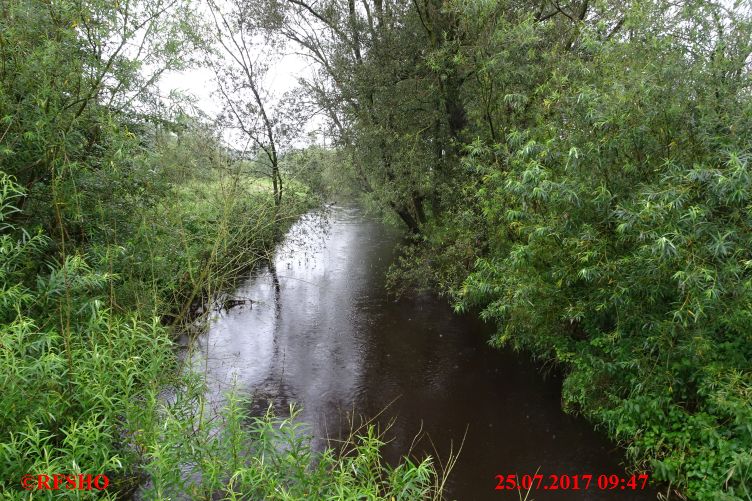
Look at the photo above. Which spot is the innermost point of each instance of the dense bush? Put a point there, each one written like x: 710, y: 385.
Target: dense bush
x: 600, y: 215
x: 620, y: 246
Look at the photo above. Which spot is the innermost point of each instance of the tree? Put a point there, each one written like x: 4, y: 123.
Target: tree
x: 369, y: 72
x: 73, y: 74
x: 614, y: 196
x: 241, y: 67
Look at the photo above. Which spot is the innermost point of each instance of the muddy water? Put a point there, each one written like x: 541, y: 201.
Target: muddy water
x: 323, y: 333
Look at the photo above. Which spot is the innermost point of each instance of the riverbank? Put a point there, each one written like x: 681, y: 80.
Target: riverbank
x: 85, y: 348
x: 87, y: 359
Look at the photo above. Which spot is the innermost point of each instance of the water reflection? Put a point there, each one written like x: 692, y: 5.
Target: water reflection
x: 322, y: 332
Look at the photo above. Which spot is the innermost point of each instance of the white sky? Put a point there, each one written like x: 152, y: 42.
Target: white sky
x: 200, y: 83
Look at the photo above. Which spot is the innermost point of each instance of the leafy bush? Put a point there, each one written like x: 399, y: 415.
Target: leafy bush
x: 620, y: 246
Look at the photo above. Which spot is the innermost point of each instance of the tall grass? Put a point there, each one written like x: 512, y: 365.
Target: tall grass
x: 267, y: 457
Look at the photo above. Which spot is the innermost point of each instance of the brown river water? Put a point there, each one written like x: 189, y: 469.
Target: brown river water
x: 323, y: 332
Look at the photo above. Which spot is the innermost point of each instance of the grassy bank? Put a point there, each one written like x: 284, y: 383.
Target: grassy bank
x: 86, y: 356
x: 199, y: 241
x: 85, y: 352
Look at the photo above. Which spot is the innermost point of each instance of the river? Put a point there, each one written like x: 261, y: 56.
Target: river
x: 322, y: 332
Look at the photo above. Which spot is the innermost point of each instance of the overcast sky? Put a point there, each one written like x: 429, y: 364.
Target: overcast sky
x: 200, y: 83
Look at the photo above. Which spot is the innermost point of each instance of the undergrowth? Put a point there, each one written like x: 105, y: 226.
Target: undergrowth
x: 91, y: 383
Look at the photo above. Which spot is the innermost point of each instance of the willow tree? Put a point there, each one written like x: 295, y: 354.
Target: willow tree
x: 74, y: 77
x: 383, y: 101
x: 241, y: 66
x: 615, y: 206
x: 398, y: 81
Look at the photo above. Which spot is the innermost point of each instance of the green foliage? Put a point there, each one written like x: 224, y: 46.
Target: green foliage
x: 74, y: 376
x: 77, y: 86
x: 267, y: 457
x: 84, y: 385
x: 579, y: 172
x: 116, y: 220
x: 602, y: 198
x: 619, y: 245
x: 327, y: 172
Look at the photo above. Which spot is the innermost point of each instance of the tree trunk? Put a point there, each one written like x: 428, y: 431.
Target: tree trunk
x: 276, y: 186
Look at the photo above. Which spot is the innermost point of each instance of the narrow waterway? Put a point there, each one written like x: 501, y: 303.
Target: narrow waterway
x: 323, y: 333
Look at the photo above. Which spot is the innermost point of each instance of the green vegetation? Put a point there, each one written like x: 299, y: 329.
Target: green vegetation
x: 272, y: 458
x: 119, y: 217
x: 579, y: 172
